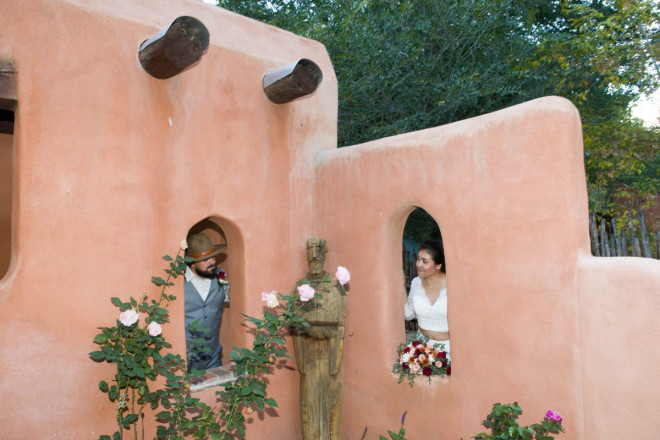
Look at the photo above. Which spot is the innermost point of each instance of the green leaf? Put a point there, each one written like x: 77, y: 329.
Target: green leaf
x: 101, y: 338
x: 167, y: 258
x: 116, y: 301
x: 131, y: 418
x: 163, y: 415
x: 97, y: 355
x: 103, y: 386
x: 246, y: 391
x: 158, y: 281
x: 271, y: 402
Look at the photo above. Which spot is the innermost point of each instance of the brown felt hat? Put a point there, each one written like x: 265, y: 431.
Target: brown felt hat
x: 200, y: 247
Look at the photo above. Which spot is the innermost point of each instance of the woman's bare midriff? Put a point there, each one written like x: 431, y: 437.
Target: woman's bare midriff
x: 437, y: 336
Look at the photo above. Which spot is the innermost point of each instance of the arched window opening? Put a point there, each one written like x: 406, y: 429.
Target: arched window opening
x: 8, y: 104
x: 419, y: 227
x: 207, y: 292
x: 422, y: 231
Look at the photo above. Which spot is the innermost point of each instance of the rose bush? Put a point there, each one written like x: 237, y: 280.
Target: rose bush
x: 138, y: 354
x: 503, y: 423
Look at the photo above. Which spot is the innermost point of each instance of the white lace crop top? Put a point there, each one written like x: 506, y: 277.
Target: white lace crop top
x: 432, y: 317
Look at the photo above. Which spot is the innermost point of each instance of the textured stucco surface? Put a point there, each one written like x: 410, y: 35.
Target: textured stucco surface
x: 113, y: 167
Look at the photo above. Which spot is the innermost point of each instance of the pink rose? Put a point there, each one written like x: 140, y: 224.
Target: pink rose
x: 414, y: 368
x: 270, y: 298
x: 553, y: 415
x: 128, y: 317
x: 154, y: 328
x: 306, y: 292
x: 343, y: 276
x: 438, y: 364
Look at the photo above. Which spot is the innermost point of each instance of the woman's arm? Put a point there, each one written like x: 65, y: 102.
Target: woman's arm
x: 409, y: 310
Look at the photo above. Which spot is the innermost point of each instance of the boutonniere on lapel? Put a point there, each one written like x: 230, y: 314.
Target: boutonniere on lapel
x: 222, y: 277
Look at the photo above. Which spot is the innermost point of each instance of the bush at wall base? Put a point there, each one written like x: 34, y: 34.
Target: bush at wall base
x: 503, y: 424
x: 136, y: 346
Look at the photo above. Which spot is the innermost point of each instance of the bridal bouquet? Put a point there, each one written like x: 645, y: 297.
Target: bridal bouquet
x: 420, y: 358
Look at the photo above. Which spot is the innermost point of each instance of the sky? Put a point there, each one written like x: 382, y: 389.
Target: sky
x: 648, y: 109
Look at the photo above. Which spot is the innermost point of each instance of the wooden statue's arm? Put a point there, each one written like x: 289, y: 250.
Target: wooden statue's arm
x: 336, y: 350
x: 299, y: 352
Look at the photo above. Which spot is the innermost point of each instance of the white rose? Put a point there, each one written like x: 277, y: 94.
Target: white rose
x: 128, y: 317
x: 342, y: 275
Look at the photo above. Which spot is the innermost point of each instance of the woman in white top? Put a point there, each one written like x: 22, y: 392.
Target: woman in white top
x: 427, y: 300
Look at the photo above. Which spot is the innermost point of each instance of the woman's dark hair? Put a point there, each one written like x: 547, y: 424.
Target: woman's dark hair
x: 437, y: 252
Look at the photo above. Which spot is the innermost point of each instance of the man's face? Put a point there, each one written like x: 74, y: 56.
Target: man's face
x: 205, y: 268
x: 315, y: 255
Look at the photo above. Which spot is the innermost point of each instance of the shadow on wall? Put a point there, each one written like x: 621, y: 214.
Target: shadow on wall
x: 6, y: 190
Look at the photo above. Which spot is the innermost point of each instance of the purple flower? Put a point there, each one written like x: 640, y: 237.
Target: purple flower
x: 553, y: 416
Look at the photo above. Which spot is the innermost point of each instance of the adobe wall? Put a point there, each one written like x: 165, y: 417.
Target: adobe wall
x: 533, y: 317
x: 113, y: 167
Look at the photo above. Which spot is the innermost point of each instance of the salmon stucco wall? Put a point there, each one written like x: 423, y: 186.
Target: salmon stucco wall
x: 111, y: 168
x: 114, y: 166
x: 534, y: 318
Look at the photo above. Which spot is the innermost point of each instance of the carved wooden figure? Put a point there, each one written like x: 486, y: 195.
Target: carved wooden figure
x: 318, y: 349
x: 174, y: 48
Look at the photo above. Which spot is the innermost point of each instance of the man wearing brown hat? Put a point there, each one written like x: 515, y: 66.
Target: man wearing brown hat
x: 205, y: 289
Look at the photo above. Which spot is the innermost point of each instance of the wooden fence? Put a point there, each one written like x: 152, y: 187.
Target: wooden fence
x: 627, y: 237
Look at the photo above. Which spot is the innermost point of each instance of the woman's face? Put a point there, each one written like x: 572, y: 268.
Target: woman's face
x: 425, y: 264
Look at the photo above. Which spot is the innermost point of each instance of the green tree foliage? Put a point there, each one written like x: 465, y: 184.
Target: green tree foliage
x: 405, y: 65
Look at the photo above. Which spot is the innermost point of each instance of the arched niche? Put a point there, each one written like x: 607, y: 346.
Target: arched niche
x: 6, y: 200
x: 222, y: 231
x: 419, y: 227
x: 8, y: 104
